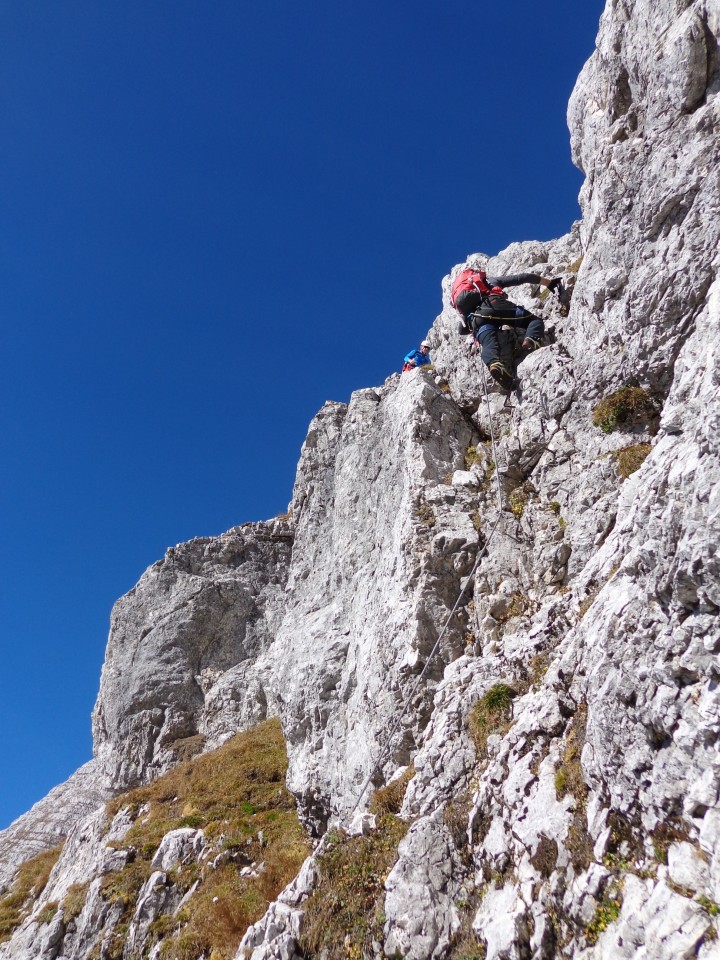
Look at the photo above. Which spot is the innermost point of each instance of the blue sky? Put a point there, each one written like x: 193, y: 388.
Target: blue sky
x: 214, y: 218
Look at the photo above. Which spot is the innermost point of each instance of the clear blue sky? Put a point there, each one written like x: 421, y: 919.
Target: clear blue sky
x: 215, y: 217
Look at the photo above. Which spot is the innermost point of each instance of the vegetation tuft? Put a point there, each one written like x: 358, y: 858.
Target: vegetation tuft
x: 569, y: 780
x: 344, y: 914
x: 538, y: 668
x: 663, y: 836
x: 472, y: 456
x: 518, y: 501
x: 593, y: 591
x: 465, y: 944
x: 389, y: 799
x: 627, y: 405
x: 425, y: 514
x: 74, y: 901
x: 488, y: 474
x: 48, y: 912
x: 491, y: 714
x: 517, y: 606
x: 607, y: 912
x: 709, y: 906
x: 237, y: 795
x: 29, y: 883
x: 629, y: 459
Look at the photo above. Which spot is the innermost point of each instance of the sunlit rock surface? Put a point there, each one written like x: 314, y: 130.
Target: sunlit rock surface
x: 587, y: 822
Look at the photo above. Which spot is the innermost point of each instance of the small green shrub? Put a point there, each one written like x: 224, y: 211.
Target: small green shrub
x: 607, y: 912
x: 629, y: 404
x: 629, y: 459
x: 518, y: 501
x: 575, y: 265
x: 709, y: 906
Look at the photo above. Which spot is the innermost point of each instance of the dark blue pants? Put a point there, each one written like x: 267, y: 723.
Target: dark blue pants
x: 513, y: 316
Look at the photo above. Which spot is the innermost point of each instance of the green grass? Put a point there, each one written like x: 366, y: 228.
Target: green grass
x: 491, y: 714
x: 709, y: 906
x: 607, y: 912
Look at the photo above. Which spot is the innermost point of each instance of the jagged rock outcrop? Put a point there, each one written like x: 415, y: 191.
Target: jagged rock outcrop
x: 46, y: 824
x: 564, y: 738
x: 181, y: 665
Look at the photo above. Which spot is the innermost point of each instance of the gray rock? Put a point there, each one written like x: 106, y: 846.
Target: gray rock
x: 408, y: 583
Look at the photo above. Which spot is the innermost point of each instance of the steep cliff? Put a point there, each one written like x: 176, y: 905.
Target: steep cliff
x: 514, y: 601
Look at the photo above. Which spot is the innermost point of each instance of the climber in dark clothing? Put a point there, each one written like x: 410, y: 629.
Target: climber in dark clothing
x: 484, y: 307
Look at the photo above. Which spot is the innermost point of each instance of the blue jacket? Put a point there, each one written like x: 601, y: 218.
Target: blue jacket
x: 417, y: 357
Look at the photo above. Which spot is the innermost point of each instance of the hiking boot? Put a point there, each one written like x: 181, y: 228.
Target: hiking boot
x: 529, y: 344
x: 502, y: 375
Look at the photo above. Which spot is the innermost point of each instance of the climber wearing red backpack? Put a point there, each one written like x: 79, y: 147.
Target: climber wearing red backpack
x: 484, y: 307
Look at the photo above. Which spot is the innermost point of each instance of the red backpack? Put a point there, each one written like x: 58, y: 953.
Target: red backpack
x: 472, y: 280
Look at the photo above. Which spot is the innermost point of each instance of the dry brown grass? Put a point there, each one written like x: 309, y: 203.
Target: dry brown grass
x: 472, y: 456
x: 626, y: 405
x: 74, y: 901
x: 389, y: 799
x: 629, y: 459
x: 344, y: 913
x: 569, y: 780
x: 236, y: 791
x: 30, y: 882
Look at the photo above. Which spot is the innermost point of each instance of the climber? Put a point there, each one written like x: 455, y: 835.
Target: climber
x: 484, y: 307
x: 417, y: 358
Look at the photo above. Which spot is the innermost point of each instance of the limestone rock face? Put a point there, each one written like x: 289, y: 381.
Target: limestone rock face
x: 448, y: 546
x: 46, y: 824
x: 182, y: 649
x: 382, y: 541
